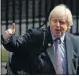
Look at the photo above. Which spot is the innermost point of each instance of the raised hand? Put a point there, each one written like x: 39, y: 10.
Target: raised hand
x: 9, y: 32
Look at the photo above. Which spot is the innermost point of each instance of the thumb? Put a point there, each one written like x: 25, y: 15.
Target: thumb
x: 13, y: 28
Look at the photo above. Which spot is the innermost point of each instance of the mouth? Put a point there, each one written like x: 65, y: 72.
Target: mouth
x: 57, y: 30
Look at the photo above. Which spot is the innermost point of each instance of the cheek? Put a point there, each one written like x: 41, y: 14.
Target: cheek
x: 64, y: 29
x: 52, y: 26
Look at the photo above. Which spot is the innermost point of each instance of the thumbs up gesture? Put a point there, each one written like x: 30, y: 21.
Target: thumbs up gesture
x: 9, y: 32
x: 13, y: 28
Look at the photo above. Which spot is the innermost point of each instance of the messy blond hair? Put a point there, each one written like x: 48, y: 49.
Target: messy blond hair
x: 62, y: 11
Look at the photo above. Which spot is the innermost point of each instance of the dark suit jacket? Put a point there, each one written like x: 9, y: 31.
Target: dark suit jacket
x: 31, y: 57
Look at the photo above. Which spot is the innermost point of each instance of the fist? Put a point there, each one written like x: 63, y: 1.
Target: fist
x: 9, y: 32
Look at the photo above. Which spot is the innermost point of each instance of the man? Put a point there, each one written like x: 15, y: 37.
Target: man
x: 49, y: 51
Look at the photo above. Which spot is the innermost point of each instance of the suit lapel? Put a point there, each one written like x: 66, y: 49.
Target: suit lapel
x: 50, y: 52
x: 69, y: 48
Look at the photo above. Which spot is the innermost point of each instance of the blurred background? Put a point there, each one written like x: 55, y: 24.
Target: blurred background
x: 27, y: 14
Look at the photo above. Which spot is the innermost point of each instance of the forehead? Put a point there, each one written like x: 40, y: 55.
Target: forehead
x: 60, y: 18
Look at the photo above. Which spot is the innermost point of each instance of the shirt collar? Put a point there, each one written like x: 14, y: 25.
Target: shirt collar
x: 61, y: 38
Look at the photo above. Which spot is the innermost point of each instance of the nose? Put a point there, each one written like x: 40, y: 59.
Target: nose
x: 58, y: 24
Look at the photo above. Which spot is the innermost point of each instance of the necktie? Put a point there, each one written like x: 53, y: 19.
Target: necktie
x: 59, y: 69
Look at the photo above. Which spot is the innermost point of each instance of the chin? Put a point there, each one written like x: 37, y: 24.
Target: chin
x: 58, y: 35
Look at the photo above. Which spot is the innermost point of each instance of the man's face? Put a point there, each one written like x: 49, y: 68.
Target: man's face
x: 58, y: 26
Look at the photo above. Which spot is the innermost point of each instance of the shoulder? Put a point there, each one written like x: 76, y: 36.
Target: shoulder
x: 75, y: 41
x: 73, y: 37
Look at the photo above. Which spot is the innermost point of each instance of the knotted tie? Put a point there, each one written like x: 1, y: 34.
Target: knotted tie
x: 59, y: 69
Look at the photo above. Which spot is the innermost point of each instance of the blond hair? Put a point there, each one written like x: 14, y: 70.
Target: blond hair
x: 61, y: 11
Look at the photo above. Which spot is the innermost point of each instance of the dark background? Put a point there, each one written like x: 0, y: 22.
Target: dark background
x: 34, y: 13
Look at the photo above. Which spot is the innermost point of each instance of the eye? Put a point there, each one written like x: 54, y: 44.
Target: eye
x: 54, y: 21
x: 61, y: 22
